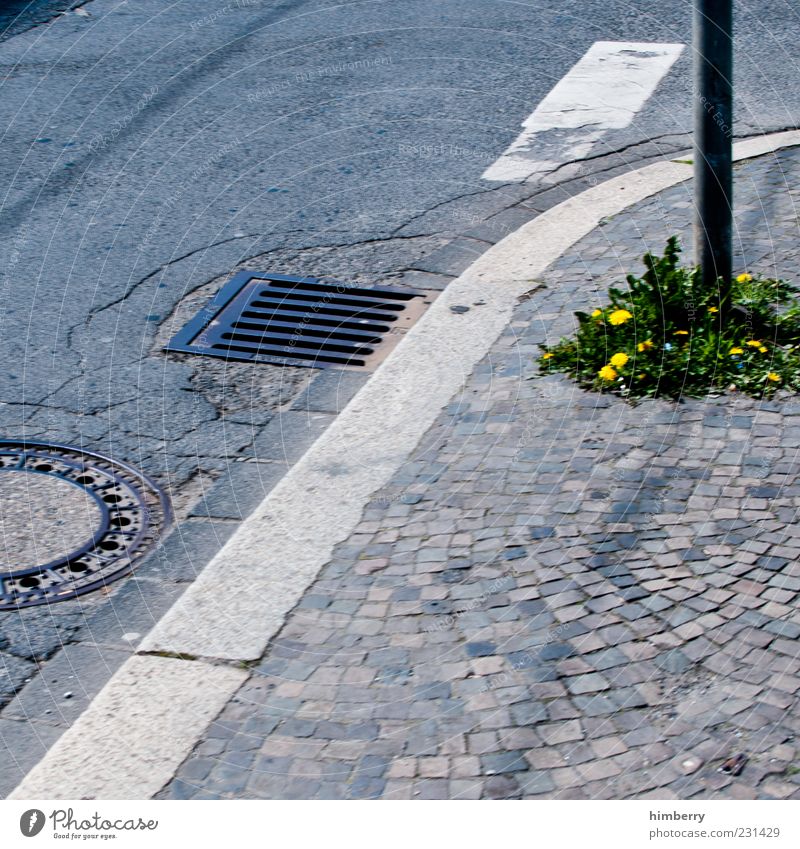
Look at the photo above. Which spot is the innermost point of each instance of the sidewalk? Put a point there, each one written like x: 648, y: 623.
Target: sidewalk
x: 559, y: 595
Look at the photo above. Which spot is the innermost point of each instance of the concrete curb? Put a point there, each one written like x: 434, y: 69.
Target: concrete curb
x: 242, y: 597
x: 162, y: 704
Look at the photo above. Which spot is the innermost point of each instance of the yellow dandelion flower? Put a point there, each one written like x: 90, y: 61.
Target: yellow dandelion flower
x: 547, y: 356
x: 645, y: 346
x: 607, y: 373
x: 642, y: 376
x: 744, y: 278
x: 775, y: 378
x: 754, y: 343
x: 619, y: 317
x: 712, y: 310
x: 597, y: 313
x: 619, y: 360
x: 735, y: 351
x: 681, y: 332
x: 763, y: 349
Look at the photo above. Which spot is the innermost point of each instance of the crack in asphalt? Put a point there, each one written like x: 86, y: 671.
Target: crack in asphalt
x: 157, y: 442
x: 393, y: 235
x: 615, y: 152
x: 540, y: 189
x: 445, y: 203
x: 95, y: 311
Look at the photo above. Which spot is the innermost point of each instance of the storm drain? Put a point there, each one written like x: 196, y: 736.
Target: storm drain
x: 299, y: 321
x: 71, y: 522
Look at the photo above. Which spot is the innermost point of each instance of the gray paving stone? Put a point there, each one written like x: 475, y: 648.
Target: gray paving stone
x: 453, y: 258
x: 133, y: 608
x: 289, y: 435
x: 188, y: 549
x: 14, y: 672
x: 481, y: 649
x: 528, y: 713
x: 22, y: 746
x: 426, y: 281
x: 501, y: 787
x: 590, y: 683
x: 500, y: 225
x: 502, y: 762
x: 330, y: 391
x: 783, y: 629
x: 240, y: 490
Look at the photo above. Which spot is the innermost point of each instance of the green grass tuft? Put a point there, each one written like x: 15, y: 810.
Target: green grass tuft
x: 667, y: 334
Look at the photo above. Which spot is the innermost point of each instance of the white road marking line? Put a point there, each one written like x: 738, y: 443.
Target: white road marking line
x: 603, y: 91
x: 130, y: 740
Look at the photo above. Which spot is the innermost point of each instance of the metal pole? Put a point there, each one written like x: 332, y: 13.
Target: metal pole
x: 713, y: 178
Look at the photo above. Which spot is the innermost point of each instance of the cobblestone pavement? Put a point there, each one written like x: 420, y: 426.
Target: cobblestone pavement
x: 559, y: 595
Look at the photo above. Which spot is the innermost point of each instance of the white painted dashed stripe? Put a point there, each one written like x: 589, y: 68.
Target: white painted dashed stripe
x: 602, y: 92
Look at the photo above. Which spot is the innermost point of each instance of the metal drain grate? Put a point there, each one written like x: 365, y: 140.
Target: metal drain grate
x: 300, y: 321
x: 120, y: 516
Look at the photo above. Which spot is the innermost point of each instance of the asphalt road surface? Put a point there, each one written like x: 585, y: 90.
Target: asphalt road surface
x: 149, y: 149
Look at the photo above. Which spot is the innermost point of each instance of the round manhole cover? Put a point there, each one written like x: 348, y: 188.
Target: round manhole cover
x: 70, y: 522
